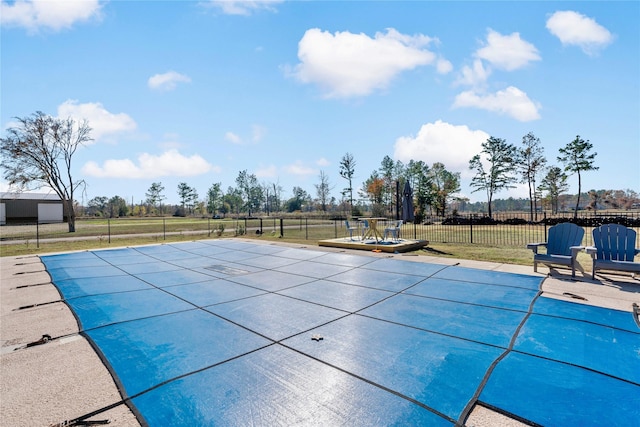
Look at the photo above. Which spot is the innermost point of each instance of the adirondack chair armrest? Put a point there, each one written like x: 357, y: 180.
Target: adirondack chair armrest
x: 534, y: 246
x: 591, y: 250
x: 575, y: 250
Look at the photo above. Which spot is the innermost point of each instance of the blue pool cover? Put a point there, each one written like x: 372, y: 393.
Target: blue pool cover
x: 226, y: 332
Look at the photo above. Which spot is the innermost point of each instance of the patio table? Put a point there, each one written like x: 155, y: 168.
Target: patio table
x: 373, y: 229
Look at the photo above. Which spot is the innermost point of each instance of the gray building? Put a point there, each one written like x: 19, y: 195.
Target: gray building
x: 27, y: 208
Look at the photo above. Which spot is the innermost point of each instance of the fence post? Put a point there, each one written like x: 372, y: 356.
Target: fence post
x: 261, y: 226
x: 306, y: 228
x: 164, y: 229
x: 545, y: 226
x: 471, y: 227
x: 208, y: 227
x: 38, y: 234
x: 109, y: 229
x: 281, y: 228
x: 335, y: 228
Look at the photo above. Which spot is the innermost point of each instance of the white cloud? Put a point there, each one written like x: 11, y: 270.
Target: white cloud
x: 169, y: 163
x: 512, y: 101
x: 323, y: 162
x: 167, y: 81
x: 441, y: 142
x: 443, y: 66
x: 53, y: 15
x: 573, y: 28
x: 267, y: 172
x: 347, y: 65
x: 258, y: 132
x: 476, y: 76
x: 299, y: 169
x: 243, y: 7
x: 233, y: 138
x: 102, y: 122
x: 507, y: 52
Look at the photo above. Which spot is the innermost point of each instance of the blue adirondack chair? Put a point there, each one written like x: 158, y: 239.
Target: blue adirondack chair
x: 614, y: 249
x: 563, y: 246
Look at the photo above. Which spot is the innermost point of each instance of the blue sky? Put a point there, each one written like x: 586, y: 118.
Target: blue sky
x: 195, y: 92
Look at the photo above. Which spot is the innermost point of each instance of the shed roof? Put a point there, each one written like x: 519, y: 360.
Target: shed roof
x: 29, y: 196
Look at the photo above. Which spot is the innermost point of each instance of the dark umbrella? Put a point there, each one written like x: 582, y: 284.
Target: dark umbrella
x: 407, y: 203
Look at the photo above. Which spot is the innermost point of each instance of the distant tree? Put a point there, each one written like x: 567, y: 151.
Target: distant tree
x: 323, y: 191
x: 443, y: 184
x: 347, y: 171
x: 577, y: 158
x: 188, y: 196
x: 118, y: 207
x: 232, y: 201
x: 98, y: 205
x: 299, y: 200
x: 154, y: 194
x: 139, y: 210
x: 274, y: 197
x: 214, y: 198
x: 555, y: 184
x: 631, y: 199
x: 388, y: 174
x: 622, y: 199
x: 418, y: 175
x: 531, y: 162
x: 597, y: 198
x: 250, y: 190
x: 374, y: 188
x: 500, y: 157
x: 38, y: 153
x: 193, y: 202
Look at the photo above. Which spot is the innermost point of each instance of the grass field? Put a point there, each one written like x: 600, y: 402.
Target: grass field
x: 502, y: 243
x: 449, y: 250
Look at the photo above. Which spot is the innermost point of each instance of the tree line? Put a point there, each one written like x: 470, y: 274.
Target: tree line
x: 39, y: 151
x: 508, y: 164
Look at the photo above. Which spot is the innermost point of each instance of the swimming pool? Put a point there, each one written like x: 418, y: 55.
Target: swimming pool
x: 228, y: 332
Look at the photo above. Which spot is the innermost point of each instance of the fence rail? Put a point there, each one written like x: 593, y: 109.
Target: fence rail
x: 501, y: 230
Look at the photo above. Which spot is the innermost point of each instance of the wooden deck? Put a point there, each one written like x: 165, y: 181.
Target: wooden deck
x: 402, y: 245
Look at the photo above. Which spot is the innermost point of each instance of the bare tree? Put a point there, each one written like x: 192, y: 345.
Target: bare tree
x: 39, y: 152
x: 597, y: 198
x: 323, y: 190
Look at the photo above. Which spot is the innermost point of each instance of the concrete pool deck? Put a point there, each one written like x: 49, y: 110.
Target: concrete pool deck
x: 64, y: 379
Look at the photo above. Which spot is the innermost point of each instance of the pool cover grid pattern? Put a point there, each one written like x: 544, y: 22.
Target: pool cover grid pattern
x: 227, y: 332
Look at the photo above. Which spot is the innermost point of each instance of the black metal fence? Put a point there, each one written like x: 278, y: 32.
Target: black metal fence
x: 513, y: 229
x: 500, y: 230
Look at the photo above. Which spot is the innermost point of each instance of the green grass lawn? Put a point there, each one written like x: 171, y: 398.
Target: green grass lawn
x: 505, y: 246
